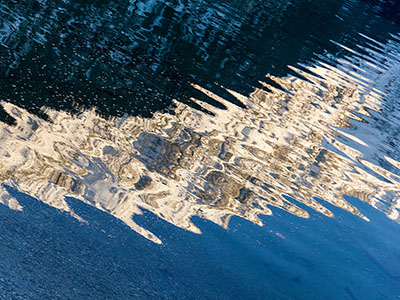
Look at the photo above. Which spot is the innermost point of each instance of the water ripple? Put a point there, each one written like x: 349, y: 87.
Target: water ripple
x: 328, y: 132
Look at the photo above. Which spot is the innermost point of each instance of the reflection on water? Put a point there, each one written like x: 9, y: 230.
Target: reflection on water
x: 329, y: 132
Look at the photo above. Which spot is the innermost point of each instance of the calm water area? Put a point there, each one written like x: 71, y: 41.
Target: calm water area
x: 199, y: 149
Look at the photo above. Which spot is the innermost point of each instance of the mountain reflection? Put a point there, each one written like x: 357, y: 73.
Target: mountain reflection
x: 329, y: 132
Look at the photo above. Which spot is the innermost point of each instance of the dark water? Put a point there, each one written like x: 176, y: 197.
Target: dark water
x: 199, y: 149
x: 135, y: 57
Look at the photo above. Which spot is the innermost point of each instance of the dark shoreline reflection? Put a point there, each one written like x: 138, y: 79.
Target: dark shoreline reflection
x: 134, y: 57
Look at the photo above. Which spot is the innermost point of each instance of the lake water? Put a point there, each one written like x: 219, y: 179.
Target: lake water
x: 200, y: 149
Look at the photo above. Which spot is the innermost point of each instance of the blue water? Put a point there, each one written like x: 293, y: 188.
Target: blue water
x: 46, y: 254
x: 199, y: 150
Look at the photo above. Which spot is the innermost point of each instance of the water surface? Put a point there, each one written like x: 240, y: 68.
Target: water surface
x: 166, y: 115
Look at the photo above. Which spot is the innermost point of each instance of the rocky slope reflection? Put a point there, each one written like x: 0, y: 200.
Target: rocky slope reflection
x: 334, y: 133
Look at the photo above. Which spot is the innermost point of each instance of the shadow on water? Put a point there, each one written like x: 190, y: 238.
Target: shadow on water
x: 46, y: 254
x: 134, y: 57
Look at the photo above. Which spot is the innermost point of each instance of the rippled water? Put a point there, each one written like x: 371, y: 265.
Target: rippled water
x: 134, y: 57
x: 196, y: 108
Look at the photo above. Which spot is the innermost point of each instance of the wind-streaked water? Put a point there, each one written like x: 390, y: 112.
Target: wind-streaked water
x: 199, y: 109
